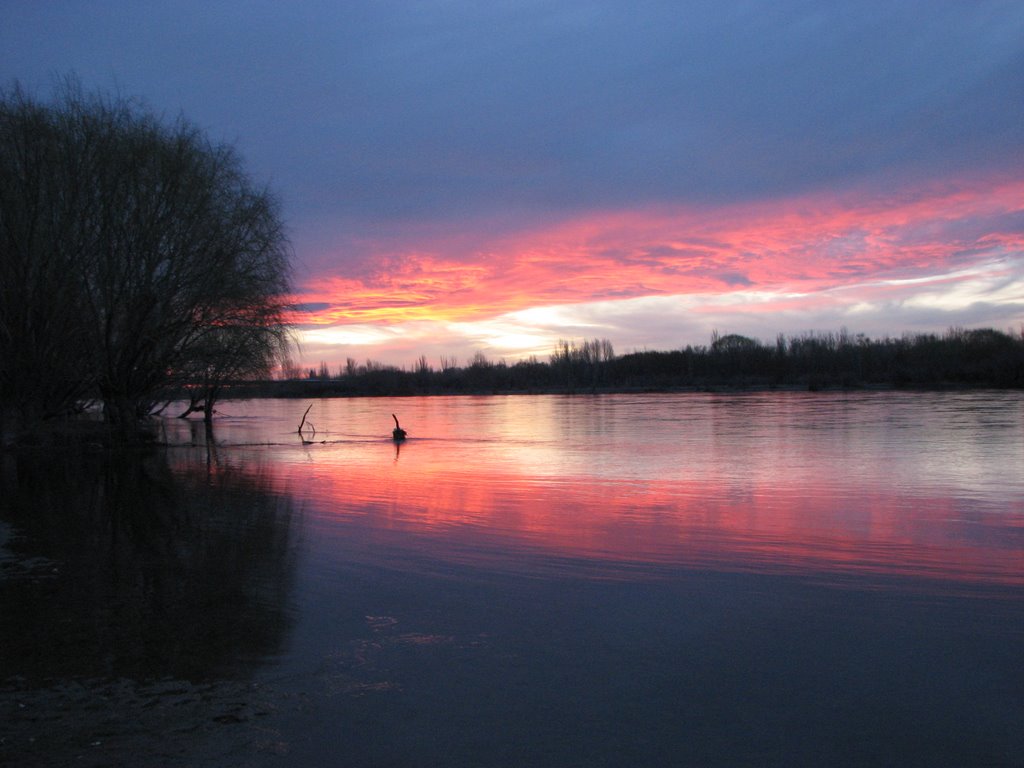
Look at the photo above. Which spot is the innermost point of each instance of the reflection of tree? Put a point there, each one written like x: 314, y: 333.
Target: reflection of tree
x: 125, y: 569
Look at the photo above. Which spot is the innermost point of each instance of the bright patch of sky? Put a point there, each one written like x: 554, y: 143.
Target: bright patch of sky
x: 463, y: 177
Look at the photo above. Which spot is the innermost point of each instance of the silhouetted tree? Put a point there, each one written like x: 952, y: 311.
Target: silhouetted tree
x: 135, y: 252
x: 980, y: 357
x: 45, y: 363
x: 582, y: 363
x: 229, y: 353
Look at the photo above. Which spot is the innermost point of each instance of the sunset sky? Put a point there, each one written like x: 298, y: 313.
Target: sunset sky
x: 462, y: 177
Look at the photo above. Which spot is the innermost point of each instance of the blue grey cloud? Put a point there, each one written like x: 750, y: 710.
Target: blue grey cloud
x: 311, y: 306
x: 369, y: 112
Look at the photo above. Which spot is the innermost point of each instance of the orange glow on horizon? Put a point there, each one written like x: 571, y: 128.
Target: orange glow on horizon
x: 808, y: 244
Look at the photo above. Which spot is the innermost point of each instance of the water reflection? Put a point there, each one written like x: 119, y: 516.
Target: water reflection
x: 866, y: 485
x: 119, y: 566
x: 496, y: 518
x: 540, y: 581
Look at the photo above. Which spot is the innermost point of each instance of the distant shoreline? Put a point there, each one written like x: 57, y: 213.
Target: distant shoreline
x: 959, y: 359
x: 315, y: 389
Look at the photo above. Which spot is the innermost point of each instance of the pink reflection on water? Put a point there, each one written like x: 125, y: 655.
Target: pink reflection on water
x: 872, y: 485
x: 614, y: 525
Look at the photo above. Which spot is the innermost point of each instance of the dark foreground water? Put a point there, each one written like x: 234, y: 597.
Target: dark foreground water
x: 708, y: 580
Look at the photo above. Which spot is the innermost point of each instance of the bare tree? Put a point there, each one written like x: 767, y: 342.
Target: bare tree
x: 230, y: 353
x: 44, y: 355
x: 173, y: 262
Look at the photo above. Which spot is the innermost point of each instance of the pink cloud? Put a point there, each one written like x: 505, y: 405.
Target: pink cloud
x: 811, y: 243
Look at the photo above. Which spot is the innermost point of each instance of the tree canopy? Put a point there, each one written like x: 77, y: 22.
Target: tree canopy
x: 135, y: 256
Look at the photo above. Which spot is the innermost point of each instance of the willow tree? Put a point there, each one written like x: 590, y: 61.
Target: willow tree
x: 44, y: 345
x: 248, y: 347
x: 160, y: 246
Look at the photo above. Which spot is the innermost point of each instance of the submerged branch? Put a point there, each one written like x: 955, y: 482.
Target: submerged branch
x: 302, y: 424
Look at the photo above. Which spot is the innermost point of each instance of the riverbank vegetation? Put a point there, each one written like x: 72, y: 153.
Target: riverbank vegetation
x: 981, y: 357
x: 139, y: 265
x: 135, y: 257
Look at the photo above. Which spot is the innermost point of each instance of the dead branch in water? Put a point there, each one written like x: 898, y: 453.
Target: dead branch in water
x: 302, y: 424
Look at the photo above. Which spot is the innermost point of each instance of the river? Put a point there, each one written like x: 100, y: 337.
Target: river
x: 685, y: 579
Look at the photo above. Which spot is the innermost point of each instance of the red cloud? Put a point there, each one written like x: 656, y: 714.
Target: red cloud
x: 805, y: 244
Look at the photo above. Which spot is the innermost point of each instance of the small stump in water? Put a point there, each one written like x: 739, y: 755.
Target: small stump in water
x: 397, y: 433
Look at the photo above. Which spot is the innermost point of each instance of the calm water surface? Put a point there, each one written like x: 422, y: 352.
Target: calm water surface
x: 753, y: 579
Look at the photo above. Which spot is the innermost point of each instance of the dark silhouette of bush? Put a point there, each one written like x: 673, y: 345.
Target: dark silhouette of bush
x: 134, y: 256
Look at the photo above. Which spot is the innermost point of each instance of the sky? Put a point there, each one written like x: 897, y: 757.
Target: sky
x: 462, y: 178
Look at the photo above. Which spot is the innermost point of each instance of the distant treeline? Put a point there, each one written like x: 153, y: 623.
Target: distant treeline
x: 959, y: 358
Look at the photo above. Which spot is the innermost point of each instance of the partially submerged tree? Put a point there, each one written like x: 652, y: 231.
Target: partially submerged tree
x: 137, y: 255
x: 45, y: 366
x: 239, y: 351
